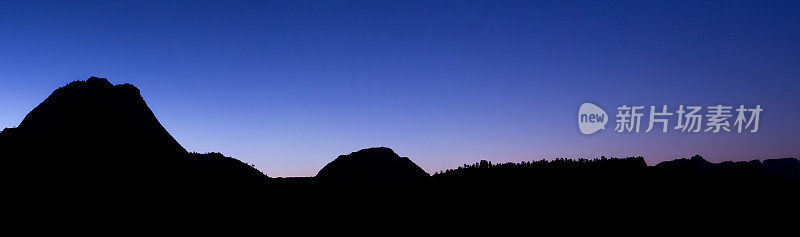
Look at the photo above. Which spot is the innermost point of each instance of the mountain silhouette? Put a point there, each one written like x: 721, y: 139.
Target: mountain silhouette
x: 91, y: 138
x: 94, y: 118
x: 370, y: 166
x: 95, y: 133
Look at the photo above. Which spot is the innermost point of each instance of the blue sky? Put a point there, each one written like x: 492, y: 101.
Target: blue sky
x: 290, y: 85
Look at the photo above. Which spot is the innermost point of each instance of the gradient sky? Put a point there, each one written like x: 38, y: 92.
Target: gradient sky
x: 290, y: 85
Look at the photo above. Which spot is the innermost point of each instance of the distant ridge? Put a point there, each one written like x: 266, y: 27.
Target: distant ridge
x: 785, y: 167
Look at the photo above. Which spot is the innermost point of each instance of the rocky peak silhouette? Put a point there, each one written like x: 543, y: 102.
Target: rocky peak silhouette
x: 98, y: 134
x: 97, y: 117
x: 96, y: 82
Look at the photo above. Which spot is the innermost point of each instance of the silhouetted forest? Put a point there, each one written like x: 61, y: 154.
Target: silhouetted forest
x: 602, y: 162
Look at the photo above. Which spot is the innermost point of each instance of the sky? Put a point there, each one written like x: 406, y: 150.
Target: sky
x: 290, y: 85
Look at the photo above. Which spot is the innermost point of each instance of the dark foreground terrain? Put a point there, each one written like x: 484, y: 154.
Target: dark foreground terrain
x: 92, y: 145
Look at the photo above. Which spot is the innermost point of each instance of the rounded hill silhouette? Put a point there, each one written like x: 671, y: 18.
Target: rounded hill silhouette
x: 369, y: 166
